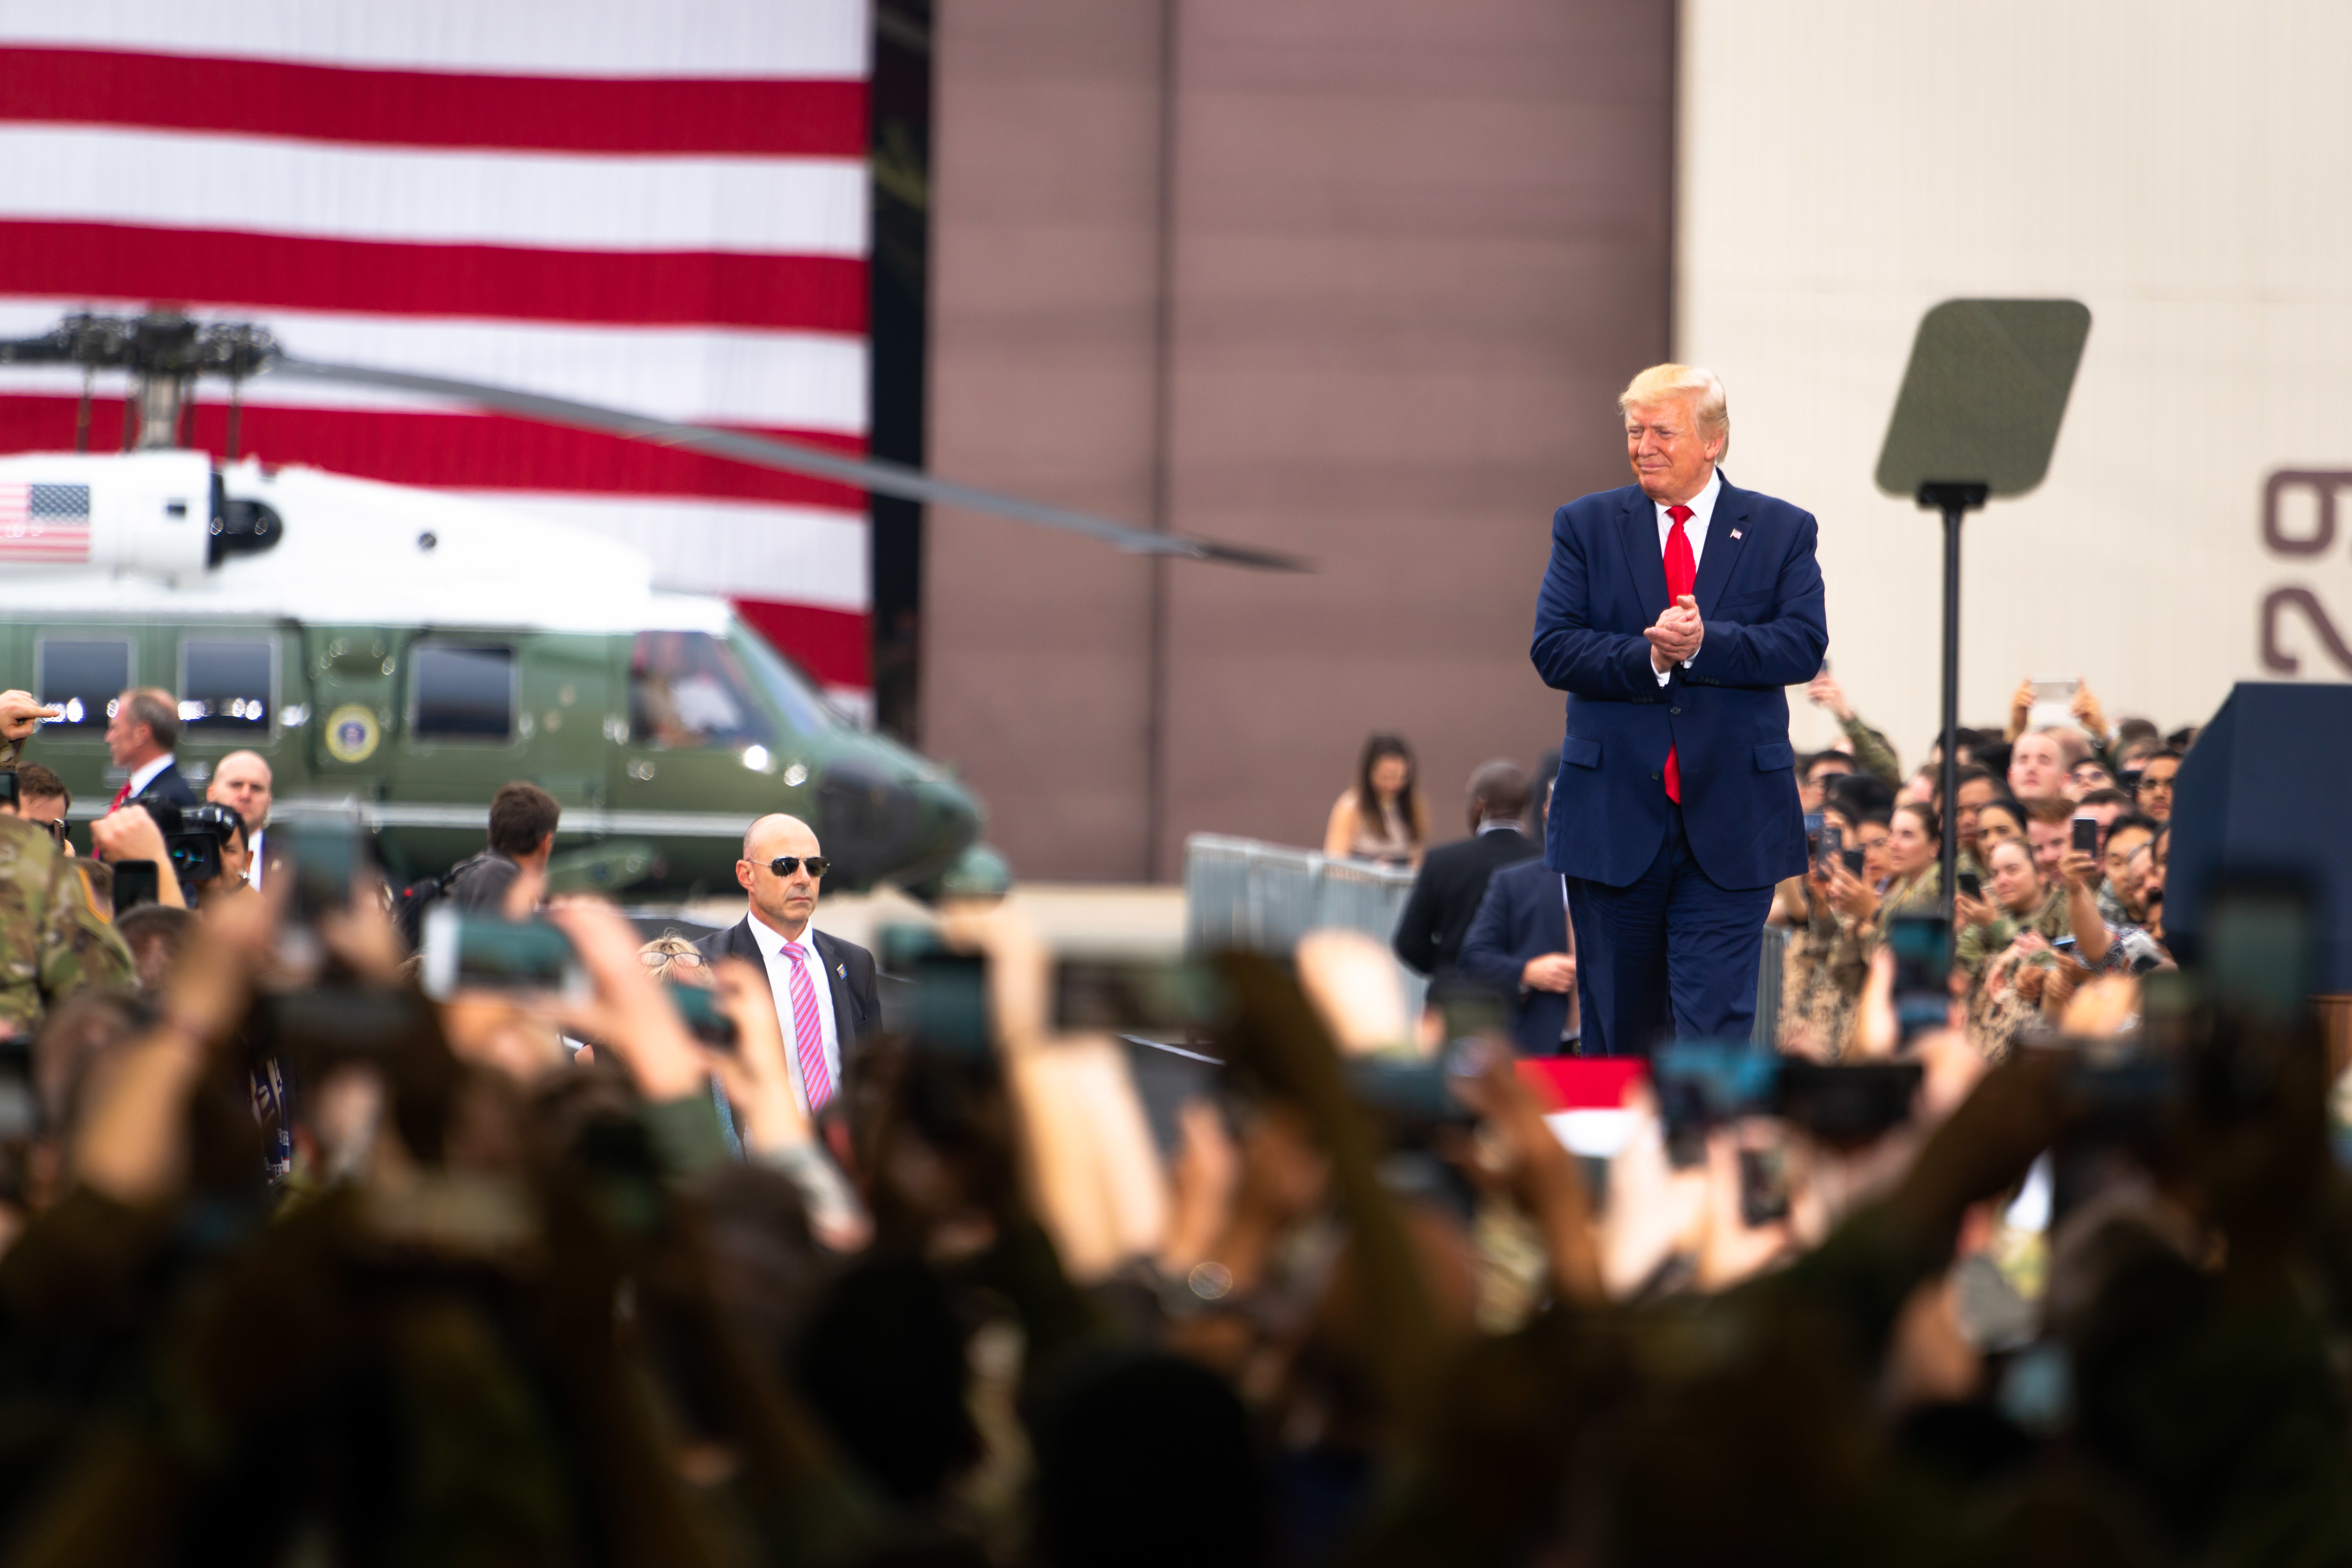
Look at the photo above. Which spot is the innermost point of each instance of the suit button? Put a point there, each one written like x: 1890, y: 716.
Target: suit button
x: 1656, y: 777
x: 1677, y: 711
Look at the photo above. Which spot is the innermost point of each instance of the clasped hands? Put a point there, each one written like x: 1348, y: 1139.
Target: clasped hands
x: 1676, y: 635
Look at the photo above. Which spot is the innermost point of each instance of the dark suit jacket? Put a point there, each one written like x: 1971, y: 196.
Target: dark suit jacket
x: 1759, y: 594
x: 849, y: 970
x: 172, y: 786
x: 1523, y: 916
x: 1445, y: 895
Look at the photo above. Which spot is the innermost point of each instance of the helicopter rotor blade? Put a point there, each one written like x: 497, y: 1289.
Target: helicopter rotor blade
x: 872, y: 474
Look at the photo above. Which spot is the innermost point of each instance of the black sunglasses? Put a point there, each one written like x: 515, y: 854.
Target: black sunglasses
x: 785, y: 865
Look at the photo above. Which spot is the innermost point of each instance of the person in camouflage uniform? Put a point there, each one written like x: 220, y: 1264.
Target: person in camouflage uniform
x: 53, y: 939
x: 2002, y: 923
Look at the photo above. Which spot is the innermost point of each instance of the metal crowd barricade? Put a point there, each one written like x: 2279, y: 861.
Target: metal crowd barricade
x: 1239, y: 893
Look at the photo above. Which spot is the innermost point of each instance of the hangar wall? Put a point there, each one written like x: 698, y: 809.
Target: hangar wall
x: 1845, y: 164
x: 1357, y: 280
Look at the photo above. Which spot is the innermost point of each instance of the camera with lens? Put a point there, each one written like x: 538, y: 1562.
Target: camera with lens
x: 193, y: 835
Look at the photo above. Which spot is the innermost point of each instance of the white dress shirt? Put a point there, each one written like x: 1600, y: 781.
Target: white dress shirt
x: 253, y: 862
x: 1702, y: 509
x: 144, y: 774
x: 772, y: 949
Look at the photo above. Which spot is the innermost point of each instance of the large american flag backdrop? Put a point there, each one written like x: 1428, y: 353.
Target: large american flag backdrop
x: 658, y: 207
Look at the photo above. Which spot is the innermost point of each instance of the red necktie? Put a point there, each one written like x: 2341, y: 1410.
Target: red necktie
x: 119, y: 796
x: 1682, y: 577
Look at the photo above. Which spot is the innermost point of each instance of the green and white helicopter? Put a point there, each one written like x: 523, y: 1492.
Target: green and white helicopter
x: 401, y: 653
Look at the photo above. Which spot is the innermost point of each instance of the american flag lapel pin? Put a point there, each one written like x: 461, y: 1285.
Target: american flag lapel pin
x: 1735, y: 534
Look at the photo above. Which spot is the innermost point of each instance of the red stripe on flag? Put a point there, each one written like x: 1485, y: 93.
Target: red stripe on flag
x: 435, y: 109
x: 459, y: 451
x: 99, y: 260
x: 833, y: 646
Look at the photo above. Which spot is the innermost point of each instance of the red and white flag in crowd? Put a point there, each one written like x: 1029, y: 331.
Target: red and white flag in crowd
x: 662, y: 208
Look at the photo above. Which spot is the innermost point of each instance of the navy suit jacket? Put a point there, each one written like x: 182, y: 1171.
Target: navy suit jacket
x: 1523, y: 916
x: 1760, y: 596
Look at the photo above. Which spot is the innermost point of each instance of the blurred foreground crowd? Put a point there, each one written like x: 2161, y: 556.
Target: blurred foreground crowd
x: 305, y: 1266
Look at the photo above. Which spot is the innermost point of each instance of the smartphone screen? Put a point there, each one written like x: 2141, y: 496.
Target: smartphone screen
x: 2259, y: 947
x: 704, y: 1020
x: 325, y: 852
x: 2087, y: 835
x: 1921, y: 945
x: 946, y: 1009
x: 1763, y: 1186
x: 1159, y: 999
x: 1474, y: 1015
x: 469, y: 953
x: 134, y: 884
x: 1971, y: 884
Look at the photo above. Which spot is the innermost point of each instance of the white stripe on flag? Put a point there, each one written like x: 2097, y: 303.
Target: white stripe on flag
x: 727, y: 39
x: 789, y: 380
x: 794, y: 207
x: 799, y: 555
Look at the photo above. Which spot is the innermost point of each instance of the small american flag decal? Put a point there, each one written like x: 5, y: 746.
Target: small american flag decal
x: 44, y: 524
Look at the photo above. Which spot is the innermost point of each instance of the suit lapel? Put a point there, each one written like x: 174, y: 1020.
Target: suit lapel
x: 1725, y: 534
x: 843, y: 1023
x: 742, y: 944
x: 1637, y: 534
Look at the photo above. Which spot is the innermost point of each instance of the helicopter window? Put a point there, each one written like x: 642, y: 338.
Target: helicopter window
x: 802, y: 708
x: 689, y: 690
x: 463, y: 693
x: 226, y: 687
x: 83, y: 677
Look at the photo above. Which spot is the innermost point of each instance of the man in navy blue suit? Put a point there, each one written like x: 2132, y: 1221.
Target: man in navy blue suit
x: 1672, y: 614
x: 1520, y: 947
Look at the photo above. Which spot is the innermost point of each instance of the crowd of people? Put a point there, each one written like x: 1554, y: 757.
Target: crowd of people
x: 736, y: 1250
x: 2063, y: 833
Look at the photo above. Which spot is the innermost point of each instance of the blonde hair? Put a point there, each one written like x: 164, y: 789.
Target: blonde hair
x: 1682, y: 382
x: 666, y: 950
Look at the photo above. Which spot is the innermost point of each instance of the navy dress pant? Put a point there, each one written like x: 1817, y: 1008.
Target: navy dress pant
x: 1669, y: 956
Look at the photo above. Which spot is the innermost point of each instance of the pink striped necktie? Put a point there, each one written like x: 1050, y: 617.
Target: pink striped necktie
x: 808, y: 1032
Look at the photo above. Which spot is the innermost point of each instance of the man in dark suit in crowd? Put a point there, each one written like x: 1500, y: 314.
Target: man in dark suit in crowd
x: 139, y: 737
x: 822, y: 987
x: 1454, y: 876
x: 1674, y: 613
x: 1521, y: 947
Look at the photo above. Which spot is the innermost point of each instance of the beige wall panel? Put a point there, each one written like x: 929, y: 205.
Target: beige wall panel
x: 1045, y: 247
x: 1419, y: 252
x: 2179, y: 167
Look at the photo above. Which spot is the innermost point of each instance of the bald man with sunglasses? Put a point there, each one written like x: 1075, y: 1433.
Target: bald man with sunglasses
x: 823, y: 986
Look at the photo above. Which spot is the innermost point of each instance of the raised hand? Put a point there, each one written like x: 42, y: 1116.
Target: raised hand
x: 20, y: 713
x: 1826, y: 693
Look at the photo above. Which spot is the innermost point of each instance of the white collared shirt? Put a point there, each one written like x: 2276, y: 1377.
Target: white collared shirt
x: 773, y: 947
x: 144, y: 774
x: 1702, y: 509
x: 253, y: 863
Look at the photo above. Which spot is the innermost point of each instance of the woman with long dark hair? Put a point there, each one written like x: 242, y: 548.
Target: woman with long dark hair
x: 1382, y: 818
